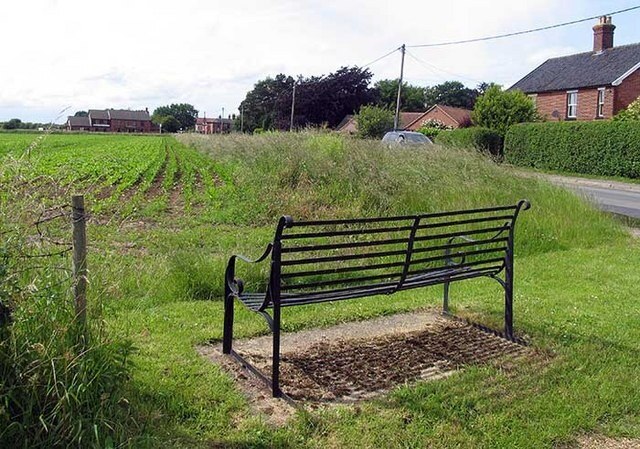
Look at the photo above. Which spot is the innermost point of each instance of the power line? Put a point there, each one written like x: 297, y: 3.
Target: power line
x: 380, y: 58
x: 518, y: 33
x: 433, y: 67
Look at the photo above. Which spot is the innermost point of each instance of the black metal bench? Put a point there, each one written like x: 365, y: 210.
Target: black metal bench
x: 332, y: 260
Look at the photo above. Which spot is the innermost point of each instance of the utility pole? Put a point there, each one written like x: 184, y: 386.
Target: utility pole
x: 396, y: 119
x: 242, y: 118
x: 293, y: 106
x: 222, y: 121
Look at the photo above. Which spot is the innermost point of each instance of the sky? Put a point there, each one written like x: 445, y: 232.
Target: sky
x: 61, y: 56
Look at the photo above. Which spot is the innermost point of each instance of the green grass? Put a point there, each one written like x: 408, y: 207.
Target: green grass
x: 157, y: 270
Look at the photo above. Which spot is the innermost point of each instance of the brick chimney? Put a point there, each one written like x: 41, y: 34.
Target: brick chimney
x: 603, y: 34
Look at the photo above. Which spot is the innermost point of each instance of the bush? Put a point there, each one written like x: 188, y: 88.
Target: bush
x: 632, y: 113
x: 607, y: 148
x: 498, y: 110
x: 432, y: 127
x: 373, y: 122
x: 481, y: 139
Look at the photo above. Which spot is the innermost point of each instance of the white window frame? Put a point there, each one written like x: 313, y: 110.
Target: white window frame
x: 572, y: 106
x: 600, y: 102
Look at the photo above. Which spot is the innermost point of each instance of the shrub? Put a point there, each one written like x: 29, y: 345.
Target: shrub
x: 608, y: 148
x: 632, y: 113
x: 497, y: 109
x: 373, y: 122
x: 481, y: 139
x: 432, y: 127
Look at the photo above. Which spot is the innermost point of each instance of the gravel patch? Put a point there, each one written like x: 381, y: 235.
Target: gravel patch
x: 602, y: 442
x: 351, y: 362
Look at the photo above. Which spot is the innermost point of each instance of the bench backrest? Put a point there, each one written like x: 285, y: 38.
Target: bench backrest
x: 321, y: 260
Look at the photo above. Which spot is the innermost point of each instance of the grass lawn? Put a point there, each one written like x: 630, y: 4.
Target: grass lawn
x: 156, y: 280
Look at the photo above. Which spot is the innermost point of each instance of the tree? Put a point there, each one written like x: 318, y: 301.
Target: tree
x: 320, y: 100
x: 373, y: 121
x: 498, y: 109
x: 411, y: 97
x: 81, y: 114
x: 631, y: 113
x: 184, y: 113
x: 169, y: 124
x: 451, y: 93
x: 14, y: 123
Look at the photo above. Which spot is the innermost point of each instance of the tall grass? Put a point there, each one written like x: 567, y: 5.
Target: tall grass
x: 60, y: 385
x: 315, y: 175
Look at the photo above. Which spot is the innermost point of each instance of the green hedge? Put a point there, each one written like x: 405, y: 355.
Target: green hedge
x: 483, y: 139
x: 605, y: 148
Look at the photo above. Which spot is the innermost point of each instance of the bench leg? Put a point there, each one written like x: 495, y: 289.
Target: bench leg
x: 445, y: 302
x: 275, y: 367
x: 508, y: 293
x: 508, y: 309
x: 227, y: 330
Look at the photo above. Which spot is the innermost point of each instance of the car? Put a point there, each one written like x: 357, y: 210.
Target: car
x: 405, y: 138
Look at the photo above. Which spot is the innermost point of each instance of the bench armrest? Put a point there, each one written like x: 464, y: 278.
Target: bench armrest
x: 234, y: 285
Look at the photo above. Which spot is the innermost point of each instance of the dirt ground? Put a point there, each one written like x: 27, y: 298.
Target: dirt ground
x: 357, y: 361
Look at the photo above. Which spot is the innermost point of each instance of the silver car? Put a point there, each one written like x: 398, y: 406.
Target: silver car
x: 405, y: 138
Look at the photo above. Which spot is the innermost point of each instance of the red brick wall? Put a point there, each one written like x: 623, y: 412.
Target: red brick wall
x: 548, y: 102
x: 434, y: 114
x: 626, y: 92
x: 118, y: 126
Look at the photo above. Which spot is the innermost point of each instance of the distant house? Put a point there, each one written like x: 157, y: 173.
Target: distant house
x: 586, y: 86
x: 447, y: 115
x: 112, y: 120
x: 348, y: 124
x: 218, y: 125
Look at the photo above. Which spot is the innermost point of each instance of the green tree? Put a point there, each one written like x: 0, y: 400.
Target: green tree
x: 320, y: 100
x: 14, y: 123
x: 451, y: 93
x: 373, y: 121
x: 411, y: 97
x: 184, y: 113
x: 169, y: 123
x: 81, y: 114
x: 631, y: 113
x: 498, y: 109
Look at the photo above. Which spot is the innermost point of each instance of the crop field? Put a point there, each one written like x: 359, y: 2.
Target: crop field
x: 166, y: 212
x: 116, y: 173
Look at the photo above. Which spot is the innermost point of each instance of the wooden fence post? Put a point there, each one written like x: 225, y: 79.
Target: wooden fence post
x: 79, y: 258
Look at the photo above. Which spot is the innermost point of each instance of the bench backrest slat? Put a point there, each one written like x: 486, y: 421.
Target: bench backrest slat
x: 359, y: 257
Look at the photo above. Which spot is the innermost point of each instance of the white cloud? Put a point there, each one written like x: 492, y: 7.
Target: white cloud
x: 136, y: 54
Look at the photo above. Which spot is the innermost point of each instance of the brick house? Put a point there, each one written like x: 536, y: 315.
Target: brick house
x: 586, y: 86
x: 348, y: 124
x: 447, y: 115
x: 112, y: 120
x: 218, y: 125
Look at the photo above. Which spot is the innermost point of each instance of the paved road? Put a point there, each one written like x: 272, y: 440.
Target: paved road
x: 618, y: 201
x: 613, y: 196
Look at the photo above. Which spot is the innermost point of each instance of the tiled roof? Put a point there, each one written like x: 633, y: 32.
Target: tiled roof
x: 460, y: 115
x: 406, y: 118
x: 98, y: 114
x: 581, y: 70
x: 78, y: 121
x: 118, y: 114
x: 125, y: 114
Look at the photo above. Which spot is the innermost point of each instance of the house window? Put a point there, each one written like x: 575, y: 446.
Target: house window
x: 600, y: 108
x: 572, y: 104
